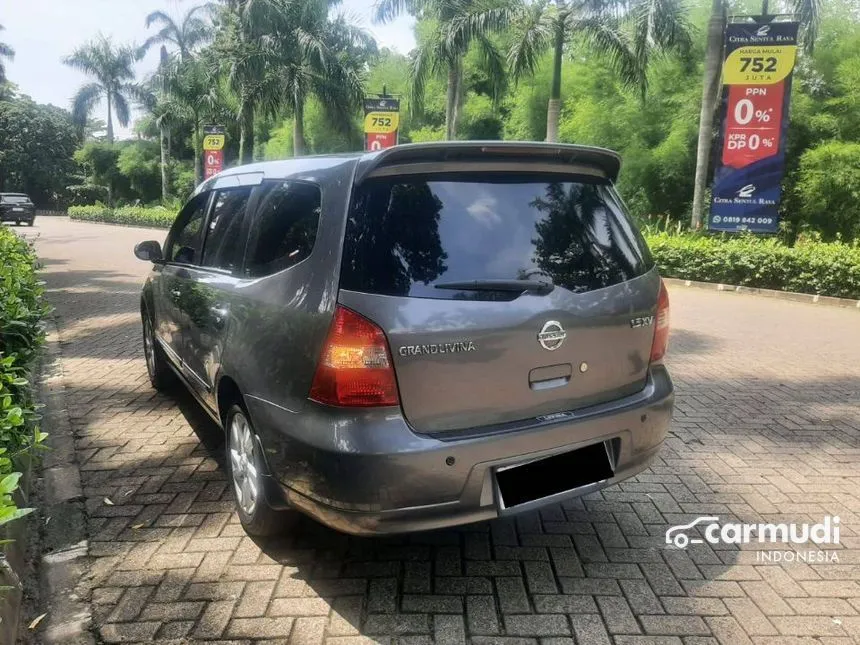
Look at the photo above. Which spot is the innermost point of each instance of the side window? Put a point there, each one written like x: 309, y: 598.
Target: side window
x: 285, y: 226
x: 224, y: 242
x: 185, y: 238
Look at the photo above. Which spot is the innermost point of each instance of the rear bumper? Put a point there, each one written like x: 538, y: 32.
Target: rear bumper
x: 371, y: 474
x: 9, y: 216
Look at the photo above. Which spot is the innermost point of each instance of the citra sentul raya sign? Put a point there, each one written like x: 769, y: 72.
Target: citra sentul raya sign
x: 381, y: 123
x: 214, y: 139
x: 757, y: 71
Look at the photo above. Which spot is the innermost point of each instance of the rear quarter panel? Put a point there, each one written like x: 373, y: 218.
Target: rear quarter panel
x: 279, y: 322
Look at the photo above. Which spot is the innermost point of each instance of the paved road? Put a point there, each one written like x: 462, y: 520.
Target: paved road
x: 767, y: 428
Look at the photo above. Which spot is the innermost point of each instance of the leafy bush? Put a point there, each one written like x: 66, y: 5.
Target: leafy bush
x: 828, y: 187
x: 829, y: 269
x: 321, y: 137
x: 181, y: 181
x: 479, y: 119
x: 427, y: 133
x: 156, y: 217
x: 139, y: 161
x: 21, y: 333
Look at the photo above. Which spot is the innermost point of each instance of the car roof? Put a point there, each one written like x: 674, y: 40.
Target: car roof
x: 14, y: 195
x: 608, y: 161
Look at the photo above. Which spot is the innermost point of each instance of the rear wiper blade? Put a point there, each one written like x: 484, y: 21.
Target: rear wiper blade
x: 538, y: 286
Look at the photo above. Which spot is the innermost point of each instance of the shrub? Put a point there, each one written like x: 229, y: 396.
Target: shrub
x: 22, y: 309
x: 828, y: 187
x: 156, y: 216
x: 427, y: 133
x: 829, y: 269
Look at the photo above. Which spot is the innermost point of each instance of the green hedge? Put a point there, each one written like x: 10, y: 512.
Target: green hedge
x: 22, y: 310
x: 827, y: 269
x: 156, y: 217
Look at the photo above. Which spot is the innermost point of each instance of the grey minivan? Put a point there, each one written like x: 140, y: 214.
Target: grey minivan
x: 420, y: 337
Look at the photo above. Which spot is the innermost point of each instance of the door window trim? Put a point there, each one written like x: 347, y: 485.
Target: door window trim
x: 246, y: 215
x: 168, y: 243
x: 253, y: 219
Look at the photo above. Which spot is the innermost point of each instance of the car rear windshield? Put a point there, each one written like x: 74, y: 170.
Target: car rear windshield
x: 15, y: 199
x: 406, y: 235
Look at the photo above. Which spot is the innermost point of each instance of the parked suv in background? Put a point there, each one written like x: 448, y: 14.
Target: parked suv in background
x: 17, y: 207
x: 415, y: 338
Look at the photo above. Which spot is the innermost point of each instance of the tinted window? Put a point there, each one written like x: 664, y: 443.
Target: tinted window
x: 404, y: 235
x: 224, y: 242
x: 185, y: 239
x: 15, y: 199
x: 285, y: 226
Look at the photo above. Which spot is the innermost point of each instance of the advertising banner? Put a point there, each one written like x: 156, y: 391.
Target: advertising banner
x: 381, y: 122
x: 213, y: 150
x: 757, y: 89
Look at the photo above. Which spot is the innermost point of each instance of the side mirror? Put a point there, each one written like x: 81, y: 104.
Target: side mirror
x: 149, y: 251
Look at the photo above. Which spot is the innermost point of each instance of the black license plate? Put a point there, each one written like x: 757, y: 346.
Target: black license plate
x: 552, y: 475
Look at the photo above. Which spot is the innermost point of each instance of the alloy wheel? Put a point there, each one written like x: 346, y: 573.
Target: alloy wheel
x: 242, y: 464
x: 149, y: 348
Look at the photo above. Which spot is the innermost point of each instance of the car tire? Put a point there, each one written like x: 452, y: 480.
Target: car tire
x: 17, y: 222
x: 30, y: 223
x: 246, y: 469
x: 160, y: 374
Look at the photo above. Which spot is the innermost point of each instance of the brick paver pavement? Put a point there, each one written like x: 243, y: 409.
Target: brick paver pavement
x: 767, y: 428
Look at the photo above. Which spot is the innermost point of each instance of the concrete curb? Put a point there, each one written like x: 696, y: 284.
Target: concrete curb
x: 64, y: 544
x: 810, y: 298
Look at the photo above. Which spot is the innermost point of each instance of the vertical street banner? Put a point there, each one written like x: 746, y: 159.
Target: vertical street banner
x: 757, y: 90
x: 381, y: 123
x: 213, y: 150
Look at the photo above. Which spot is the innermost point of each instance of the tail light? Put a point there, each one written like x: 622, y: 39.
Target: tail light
x: 661, y: 326
x: 355, y: 368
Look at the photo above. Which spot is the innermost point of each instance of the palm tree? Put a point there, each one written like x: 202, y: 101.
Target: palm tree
x: 626, y: 32
x: 186, y: 35
x: 167, y: 115
x: 462, y: 23
x: 809, y: 13
x: 163, y: 117
x: 277, y: 53
x: 320, y: 57
x: 244, y: 50
x: 112, y: 67
x: 7, y: 53
x: 189, y: 91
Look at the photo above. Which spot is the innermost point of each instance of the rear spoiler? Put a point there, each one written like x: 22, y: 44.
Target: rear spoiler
x: 607, y: 162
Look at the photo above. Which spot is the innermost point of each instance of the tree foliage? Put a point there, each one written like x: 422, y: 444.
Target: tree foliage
x: 828, y: 190
x: 185, y: 34
x: 38, y: 142
x: 457, y: 27
x: 6, y: 54
x: 112, y: 67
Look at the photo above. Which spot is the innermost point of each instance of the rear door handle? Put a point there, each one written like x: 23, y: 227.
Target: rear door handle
x: 544, y: 378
